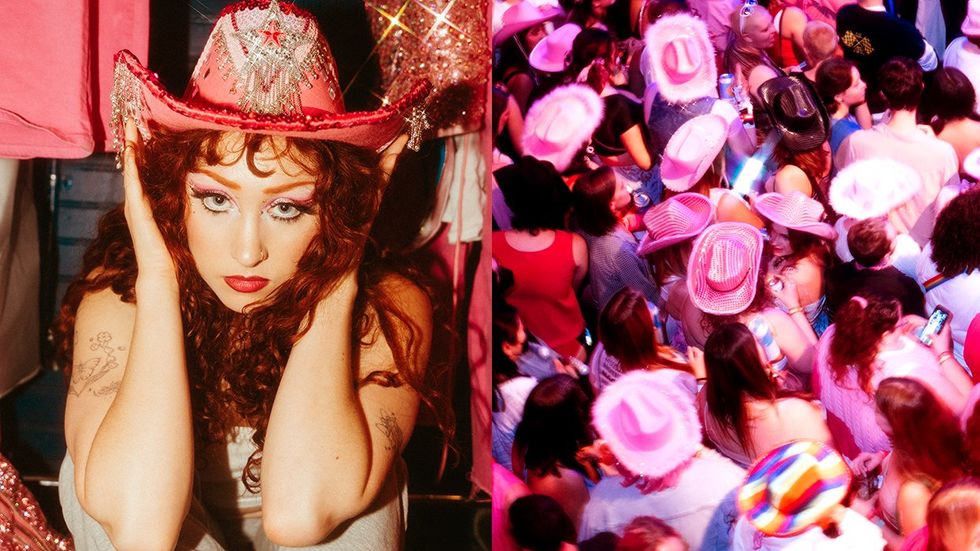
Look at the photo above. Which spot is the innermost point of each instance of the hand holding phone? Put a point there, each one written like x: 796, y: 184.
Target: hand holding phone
x: 937, y: 321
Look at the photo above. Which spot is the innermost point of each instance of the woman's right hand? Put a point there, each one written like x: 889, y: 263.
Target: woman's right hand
x: 152, y: 256
x: 866, y: 462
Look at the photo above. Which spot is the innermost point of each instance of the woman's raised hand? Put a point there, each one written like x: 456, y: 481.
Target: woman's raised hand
x: 152, y: 256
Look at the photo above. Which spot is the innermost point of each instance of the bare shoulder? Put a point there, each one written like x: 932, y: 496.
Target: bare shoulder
x: 408, y: 296
x: 410, y: 329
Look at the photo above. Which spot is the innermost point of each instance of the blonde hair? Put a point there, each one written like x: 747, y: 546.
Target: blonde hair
x: 954, y: 512
x: 819, y: 42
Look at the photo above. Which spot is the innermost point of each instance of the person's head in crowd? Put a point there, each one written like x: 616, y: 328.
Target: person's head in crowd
x: 955, y: 247
x: 954, y: 515
x: 559, y: 125
x: 650, y: 534
x: 649, y: 423
x: 554, y: 426
x: 599, y: 200
x: 538, y: 523
x: 535, y: 193
x: 586, y: 13
x: 737, y: 369
x: 794, y: 487
x: 509, y: 341
x: 862, y: 324
x: 949, y: 97
x: 819, y: 42
x: 753, y: 28
x: 925, y: 434
x: 671, y: 228
x: 796, y: 227
x: 871, y: 241
x: 628, y: 333
x: 724, y: 279
x: 681, y: 58
x: 839, y: 85
x: 590, y: 45
x: 655, y: 9
x: 900, y: 81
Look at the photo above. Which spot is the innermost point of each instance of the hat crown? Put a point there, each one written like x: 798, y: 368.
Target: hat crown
x: 675, y: 217
x: 796, y: 107
x: 681, y: 58
x: 728, y: 263
x: 269, y: 60
x: 521, y: 12
x: 643, y: 421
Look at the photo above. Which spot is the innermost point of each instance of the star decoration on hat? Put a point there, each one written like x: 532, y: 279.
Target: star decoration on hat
x: 277, y: 61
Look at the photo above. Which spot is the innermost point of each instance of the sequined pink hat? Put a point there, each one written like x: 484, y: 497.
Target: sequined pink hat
x: 681, y: 217
x: 723, y: 270
x: 265, y: 69
x: 795, y: 211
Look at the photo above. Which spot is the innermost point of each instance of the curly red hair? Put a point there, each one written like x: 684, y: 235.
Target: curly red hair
x: 236, y: 360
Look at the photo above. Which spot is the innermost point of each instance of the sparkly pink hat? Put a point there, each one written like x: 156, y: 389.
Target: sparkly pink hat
x: 550, y: 54
x: 649, y: 423
x: 520, y: 16
x: 795, y: 211
x: 691, y: 150
x: 682, y: 58
x: 971, y: 25
x: 681, y: 217
x: 723, y: 270
x: 265, y: 69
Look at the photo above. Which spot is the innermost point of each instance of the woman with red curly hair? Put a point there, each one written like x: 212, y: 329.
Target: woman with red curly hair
x: 246, y: 363
x: 877, y: 342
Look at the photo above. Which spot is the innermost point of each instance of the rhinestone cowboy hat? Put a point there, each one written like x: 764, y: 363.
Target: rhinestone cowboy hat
x: 677, y: 219
x: 265, y: 69
x: 724, y: 267
x: 795, y: 211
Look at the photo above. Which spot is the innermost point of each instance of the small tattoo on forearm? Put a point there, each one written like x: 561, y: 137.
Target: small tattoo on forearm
x: 87, y: 373
x: 388, y: 425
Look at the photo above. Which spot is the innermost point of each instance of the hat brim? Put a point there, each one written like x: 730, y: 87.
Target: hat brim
x: 797, y: 140
x: 699, y: 204
x: 752, y: 494
x: 766, y: 205
x: 369, y: 129
x: 676, y: 178
x: 724, y: 303
x: 686, y: 429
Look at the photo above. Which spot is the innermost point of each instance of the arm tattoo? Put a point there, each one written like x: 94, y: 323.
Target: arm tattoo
x: 86, y: 374
x: 388, y: 425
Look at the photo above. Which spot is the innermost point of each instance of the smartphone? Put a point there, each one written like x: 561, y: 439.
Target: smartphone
x: 937, y: 320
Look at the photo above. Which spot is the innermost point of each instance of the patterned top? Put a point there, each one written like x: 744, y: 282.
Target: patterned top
x: 613, y: 264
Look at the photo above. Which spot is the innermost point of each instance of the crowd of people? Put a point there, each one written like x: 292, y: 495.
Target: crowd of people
x: 736, y: 298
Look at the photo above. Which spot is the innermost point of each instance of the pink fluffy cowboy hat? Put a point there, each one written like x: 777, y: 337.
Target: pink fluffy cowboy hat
x: 560, y: 123
x: 679, y: 218
x: 682, y: 58
x: 971, y: 25
x: 870, y: 188
x: 724, y: 267
x: 649, y: 423
x: 691, y: 150
x: 795, y: 211
x: 265, y: 69
x: 793, y: 487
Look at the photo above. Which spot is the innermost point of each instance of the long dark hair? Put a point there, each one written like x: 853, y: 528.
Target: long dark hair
x: 627, y: 331
x: 591, y: 196
x: 555, y: 425
x: 735, y: 373
x: 805, y: 244
x: 235, y: 361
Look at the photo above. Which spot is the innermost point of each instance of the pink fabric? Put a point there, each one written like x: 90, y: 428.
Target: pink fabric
x: 971, y: 348
x: 57, y: 73
x: 506, y: 489
x: 916, y: 541
x: 851, y: 412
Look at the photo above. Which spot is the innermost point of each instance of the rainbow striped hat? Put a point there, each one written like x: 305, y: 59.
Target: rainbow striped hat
x: 792, y: 487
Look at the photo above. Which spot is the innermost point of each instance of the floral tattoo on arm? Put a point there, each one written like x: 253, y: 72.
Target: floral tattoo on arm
x: 388, y: 425
x: 86, y: 374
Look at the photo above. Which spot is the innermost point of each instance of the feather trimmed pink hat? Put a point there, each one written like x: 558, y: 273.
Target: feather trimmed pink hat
x: 559, y: 124
x: 649, y: 423
x: 870, y: 188
x: 264, y: 69
x: 682, y: 58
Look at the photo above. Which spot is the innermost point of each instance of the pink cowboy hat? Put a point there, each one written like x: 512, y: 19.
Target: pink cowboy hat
x: 870, y: 188
x: 971, y: 25
x: 522, y: 15
x: 264, y: 69
x: 691, y: 150
x: 674, y: 220
x: 682, y: 58
x: 560, y: 123
x: 550, y: 54
x: 649, y: 423
x: 723, y: 270
x: 795, y: 211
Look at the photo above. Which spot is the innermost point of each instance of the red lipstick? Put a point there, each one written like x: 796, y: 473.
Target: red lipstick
x: 244, y: 284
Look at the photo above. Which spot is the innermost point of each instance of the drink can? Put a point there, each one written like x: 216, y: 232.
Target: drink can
x: 725, y: 86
